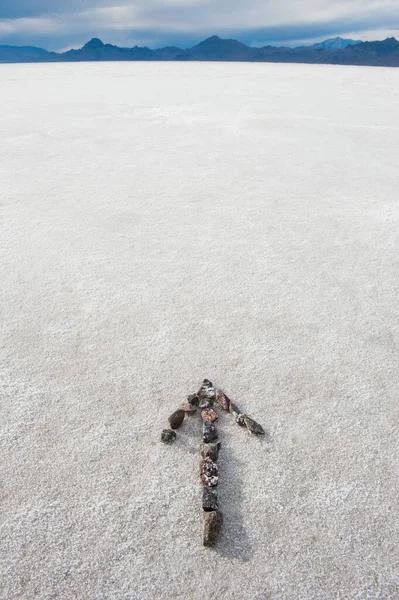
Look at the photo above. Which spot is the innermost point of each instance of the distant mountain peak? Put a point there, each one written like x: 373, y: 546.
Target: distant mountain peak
x: 214, y: 39
x: 391, y: 41
x: 336, y: 43
x: 93, y: 44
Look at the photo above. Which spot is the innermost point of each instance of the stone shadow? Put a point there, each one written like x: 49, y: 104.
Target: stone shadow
x: 234, y: 541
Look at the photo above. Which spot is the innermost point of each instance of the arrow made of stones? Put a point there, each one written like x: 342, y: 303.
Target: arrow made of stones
x: 205, y: 400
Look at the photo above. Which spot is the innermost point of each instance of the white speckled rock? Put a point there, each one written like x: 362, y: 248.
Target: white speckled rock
x: 209, y: 472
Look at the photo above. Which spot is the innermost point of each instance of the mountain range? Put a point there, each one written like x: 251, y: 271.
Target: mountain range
x: 335, y: 51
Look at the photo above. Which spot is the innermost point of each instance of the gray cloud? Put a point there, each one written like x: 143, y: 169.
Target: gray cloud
x: 66, y: 23
x: 15, y: 9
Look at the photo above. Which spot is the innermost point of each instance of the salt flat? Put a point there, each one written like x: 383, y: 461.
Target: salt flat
x: 162, y: 223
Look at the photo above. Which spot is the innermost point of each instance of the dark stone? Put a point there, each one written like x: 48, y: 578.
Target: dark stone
x: 168, y: 436
x: 176, y: 418
x: 210, y: 450
x: 253, y: 426
x: 213, y: 521
x: 209, y: 415
x: 193, y: 399
x: 222, y: 399
x: 209, y: 472
x: 210, y: 499
x: 209, y: 432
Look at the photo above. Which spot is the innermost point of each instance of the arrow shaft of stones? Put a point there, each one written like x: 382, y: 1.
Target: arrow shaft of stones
x: 209, y: 471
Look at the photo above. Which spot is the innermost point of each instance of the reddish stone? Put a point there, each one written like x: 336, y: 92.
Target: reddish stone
x: 222, y: 400
x: 209, y: 415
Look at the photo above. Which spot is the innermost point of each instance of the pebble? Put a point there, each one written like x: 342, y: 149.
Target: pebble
x: 168, y: 436
x: 210, y: 415
x: 222, y: 400
x: 209, y: 472
x: 193, y: 399
x: 188, y: 408
x: 210, y: 499
x: 253, y: 426
x: 209, y: 432
x: 206, y: 394
x: 211, y: 450
x: 176, y: 418
x: 212, y: 525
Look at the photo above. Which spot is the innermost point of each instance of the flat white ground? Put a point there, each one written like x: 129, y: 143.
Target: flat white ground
x: 162, y: 223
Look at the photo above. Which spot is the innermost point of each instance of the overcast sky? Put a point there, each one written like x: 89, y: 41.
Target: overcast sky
x: 64, y: 24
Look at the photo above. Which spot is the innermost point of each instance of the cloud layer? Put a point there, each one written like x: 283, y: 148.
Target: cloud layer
x: 70, y: 23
